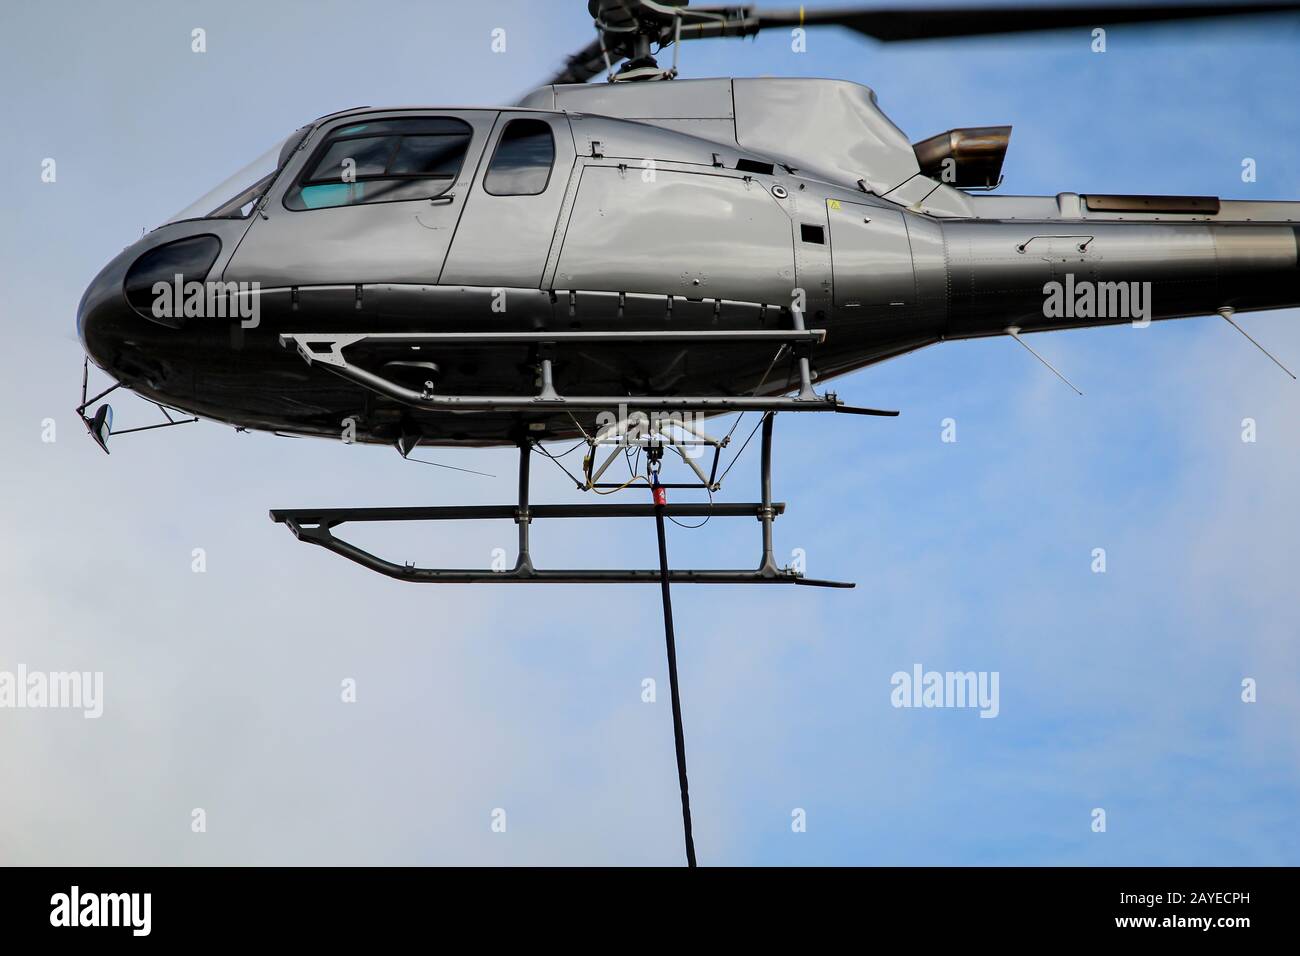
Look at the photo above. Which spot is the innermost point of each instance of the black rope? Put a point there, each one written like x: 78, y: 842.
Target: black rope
x: 679, y: 738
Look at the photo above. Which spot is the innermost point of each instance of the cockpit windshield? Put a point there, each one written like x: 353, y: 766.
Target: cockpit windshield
x: 236, y: 197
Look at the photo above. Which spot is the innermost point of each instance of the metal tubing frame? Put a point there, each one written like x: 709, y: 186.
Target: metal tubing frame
x: 592, y: 472
x: 341, y: 340
x: 547, y: 399
x: 803, y: 349
x: 87, y: 421
x: 316, y: 526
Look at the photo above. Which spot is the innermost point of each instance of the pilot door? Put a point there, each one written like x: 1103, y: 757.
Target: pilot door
x: 368, y: 199
x: 508, y: 226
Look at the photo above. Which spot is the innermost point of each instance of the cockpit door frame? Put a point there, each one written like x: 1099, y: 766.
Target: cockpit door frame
x: 505, y: 241
x: 384, y: 242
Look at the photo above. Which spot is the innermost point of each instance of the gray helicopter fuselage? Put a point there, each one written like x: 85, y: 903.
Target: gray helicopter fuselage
x: 675, y: 206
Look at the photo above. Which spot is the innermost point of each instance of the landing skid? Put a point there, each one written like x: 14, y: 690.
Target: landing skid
x: 316, y: 526
x: 329, y: 350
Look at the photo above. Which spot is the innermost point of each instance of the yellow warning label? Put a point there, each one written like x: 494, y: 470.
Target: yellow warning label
x: 833, y: 203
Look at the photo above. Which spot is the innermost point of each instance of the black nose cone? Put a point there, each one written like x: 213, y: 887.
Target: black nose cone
x: 104, y: 317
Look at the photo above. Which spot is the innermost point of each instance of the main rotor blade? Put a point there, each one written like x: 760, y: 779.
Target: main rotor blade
x: 923, y: 23
x: 887, y: 24
x: 581, y: 66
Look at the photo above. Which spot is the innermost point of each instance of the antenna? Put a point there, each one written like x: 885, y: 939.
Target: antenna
x: 1228, y: 312
x: 1014, y: 332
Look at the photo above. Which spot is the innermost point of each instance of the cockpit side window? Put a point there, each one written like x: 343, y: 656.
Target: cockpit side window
x: 383, y: 161
x: 521, y: 165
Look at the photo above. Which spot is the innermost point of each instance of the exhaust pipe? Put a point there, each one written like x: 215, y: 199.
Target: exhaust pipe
x: 970, y: 157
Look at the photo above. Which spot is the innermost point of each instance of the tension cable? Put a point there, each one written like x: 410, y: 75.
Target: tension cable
x: 655, y: 453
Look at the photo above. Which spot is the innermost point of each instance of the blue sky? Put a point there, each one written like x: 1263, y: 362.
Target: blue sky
x: 1119, y: 691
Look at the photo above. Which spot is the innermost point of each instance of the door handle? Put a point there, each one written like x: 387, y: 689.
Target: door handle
x: 444, y: 200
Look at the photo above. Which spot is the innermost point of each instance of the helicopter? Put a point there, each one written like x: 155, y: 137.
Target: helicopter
x: 618, y: 262
x: 685, y: 247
